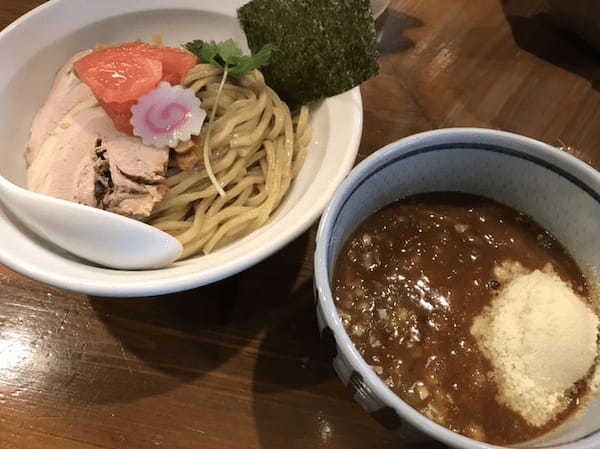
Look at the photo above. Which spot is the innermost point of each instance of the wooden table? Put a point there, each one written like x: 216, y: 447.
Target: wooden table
x: 237, y: 365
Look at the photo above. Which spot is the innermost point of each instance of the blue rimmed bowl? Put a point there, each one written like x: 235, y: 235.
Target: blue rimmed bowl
x: 559, y: 191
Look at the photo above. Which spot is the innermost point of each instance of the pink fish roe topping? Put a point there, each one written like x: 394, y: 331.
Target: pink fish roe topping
x: 167, y: 115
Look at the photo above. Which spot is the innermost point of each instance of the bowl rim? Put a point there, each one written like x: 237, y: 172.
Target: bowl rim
x: 569, y: 163
x: 351, y: 100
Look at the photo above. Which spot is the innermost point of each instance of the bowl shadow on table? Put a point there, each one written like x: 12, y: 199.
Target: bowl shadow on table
x: 299, y: 401
x: 294, y: 380
x: 540, y: 34
x: 391, y: 38
x: 169, y: 340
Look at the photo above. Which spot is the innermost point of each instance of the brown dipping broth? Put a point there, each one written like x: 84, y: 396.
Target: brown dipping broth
x: 408, y: 284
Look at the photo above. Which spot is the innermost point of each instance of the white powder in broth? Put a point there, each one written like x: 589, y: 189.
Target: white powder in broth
x: 541, y: 338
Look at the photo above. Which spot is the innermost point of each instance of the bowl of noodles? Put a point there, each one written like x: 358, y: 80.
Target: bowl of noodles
x: 271, y: 201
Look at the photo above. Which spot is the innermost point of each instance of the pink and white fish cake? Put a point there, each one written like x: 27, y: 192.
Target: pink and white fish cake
x: 167, y: 115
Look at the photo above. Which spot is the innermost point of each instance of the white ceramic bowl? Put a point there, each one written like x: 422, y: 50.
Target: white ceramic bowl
x: 560, y: 192
x: 35, y: 46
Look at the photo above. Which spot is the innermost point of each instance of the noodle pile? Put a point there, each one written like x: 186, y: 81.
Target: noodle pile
x: 257, y: 148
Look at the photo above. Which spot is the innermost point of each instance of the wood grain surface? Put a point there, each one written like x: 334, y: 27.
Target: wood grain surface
x: 237, y: 364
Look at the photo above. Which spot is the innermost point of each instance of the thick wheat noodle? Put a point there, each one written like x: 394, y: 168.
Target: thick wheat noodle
x: 216, y: 226
x: 187, y: 198
x: 191, y: 178
x: 259, y: 133
x: 279, y: 117
x: 242, y: 191
x: 194, y: 227
x: 202, y: 176
x: 175, y: 226
x: 236, y: 232
x: 256, y: 151
x: 288, y: 151
x: 234, y: 193
x: 190, y: 236
x: 255, y: 156
x: 203, y: 82
x: 231, y: 104
x: 194, y: 247
x: 199, y: 72
x: 239, y: 109
x: 216, y: 205
x: 245, y: 151
x: 233, y: 224
x: 260, y: 214
x: 224, y: 125
x: 273, y: 181
x: 303, y: 136
x: 241, y: 116
x: 243, y: 197
x: 249, y: 126
x: 257, y: 199
x: 174, y: 215
x: 196, y: 243
x: 227, y: 103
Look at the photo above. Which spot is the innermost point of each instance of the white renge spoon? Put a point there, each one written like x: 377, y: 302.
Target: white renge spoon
x: 93, y: 234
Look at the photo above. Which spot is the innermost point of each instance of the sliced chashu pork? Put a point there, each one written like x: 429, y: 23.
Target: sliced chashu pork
x: 75, y: 153
x: 67, y: 92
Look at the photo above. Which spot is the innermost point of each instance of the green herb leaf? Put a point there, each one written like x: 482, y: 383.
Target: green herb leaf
x: 194, y: 47
x: 206, y: 51
x: 245, y: 64
x: 229, y: 51
x: 209, y: 52
x: 228, y: 55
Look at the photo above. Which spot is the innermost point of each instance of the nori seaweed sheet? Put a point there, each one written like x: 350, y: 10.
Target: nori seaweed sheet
x: 322, y: 47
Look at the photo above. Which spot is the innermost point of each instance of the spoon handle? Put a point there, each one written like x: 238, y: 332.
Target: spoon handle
x: 93, y: 234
